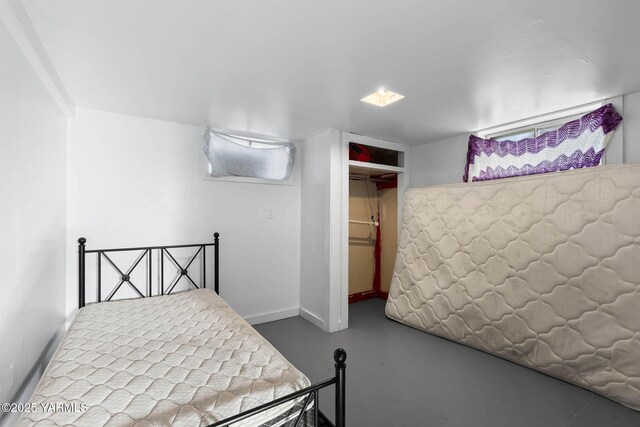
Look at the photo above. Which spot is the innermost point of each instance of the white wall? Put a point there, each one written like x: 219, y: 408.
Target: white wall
x: 631, y: 123
x: 443, y: 162
x: 323, y: 298
x: 138, y: 181
x: 440, y: 162
x: 315, y: 221
x: 32, y: 221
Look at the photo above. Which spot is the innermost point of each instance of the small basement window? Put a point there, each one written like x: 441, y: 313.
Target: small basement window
x: 565, y: 140
x: 233, y: 157
x: 533, y: 130
x: 536, y: 126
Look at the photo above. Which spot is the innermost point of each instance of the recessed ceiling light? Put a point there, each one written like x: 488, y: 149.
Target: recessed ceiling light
x: 382, y: 98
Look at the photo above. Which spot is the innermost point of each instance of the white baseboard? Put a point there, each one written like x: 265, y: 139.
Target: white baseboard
x: 270, y: 317
x: 310, y: 317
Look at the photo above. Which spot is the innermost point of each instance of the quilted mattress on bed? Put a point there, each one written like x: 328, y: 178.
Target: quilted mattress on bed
x: 185, y: 359
x: 542, y: 270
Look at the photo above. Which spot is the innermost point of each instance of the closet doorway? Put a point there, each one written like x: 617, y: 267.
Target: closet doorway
x: 373, y: 232
x: 374, y: 181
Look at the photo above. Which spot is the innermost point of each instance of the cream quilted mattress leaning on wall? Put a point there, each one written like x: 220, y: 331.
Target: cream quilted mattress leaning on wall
x: 543, y: 271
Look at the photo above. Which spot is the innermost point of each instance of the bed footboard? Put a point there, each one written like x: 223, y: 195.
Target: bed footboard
x: 312, y: 395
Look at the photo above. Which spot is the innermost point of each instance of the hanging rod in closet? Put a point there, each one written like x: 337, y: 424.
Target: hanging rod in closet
x: 354, y: 221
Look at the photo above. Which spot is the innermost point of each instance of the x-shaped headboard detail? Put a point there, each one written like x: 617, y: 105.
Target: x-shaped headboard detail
x: 124, y: 277
x: 183, y: 271
x: 146, y: 252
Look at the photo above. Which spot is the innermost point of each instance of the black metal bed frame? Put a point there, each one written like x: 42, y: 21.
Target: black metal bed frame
x: 147, y: 252
x: 311, y: 392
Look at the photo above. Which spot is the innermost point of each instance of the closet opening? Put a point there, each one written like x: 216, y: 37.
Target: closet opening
x: 373, y: 232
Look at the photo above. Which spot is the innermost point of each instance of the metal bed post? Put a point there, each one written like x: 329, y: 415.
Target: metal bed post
x: 99, y: 268
x: 216, y: 257
x: 316, y: 408
x: 149, y: 272
x: 81, y: 248
x: 161, y: 271
x: 340, y: 356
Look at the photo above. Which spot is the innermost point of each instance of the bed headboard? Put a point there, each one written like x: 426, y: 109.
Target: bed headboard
x: 146, y: 253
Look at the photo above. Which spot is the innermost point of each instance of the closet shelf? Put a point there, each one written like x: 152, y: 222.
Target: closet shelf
x: 375, y: 166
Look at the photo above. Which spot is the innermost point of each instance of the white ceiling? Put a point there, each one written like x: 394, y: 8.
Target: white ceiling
x: 294, y: 68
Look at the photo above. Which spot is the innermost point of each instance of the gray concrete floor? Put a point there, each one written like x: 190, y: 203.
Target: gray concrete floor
x: 398, y: 376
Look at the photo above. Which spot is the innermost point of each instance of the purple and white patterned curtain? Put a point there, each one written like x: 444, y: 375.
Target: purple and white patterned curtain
x: 577, y: 144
